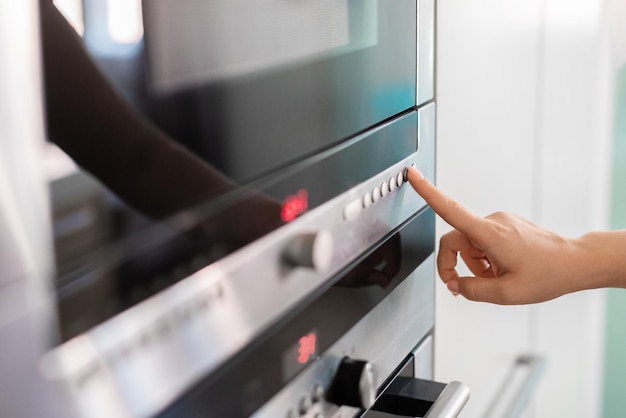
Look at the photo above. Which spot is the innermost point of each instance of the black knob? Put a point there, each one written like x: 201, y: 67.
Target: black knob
x: 353, y: 384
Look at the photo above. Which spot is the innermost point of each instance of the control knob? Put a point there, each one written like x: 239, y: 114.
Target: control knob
x: 353, y: 384
x: 312, y: 250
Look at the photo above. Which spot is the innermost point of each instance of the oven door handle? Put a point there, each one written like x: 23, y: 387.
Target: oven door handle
x: 413, y: 397
x: 450, y: 402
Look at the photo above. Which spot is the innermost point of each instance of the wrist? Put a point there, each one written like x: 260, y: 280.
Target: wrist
x: 600, y: 260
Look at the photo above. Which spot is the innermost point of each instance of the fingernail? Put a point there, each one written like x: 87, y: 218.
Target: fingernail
x: 453, y: 287
x: 415, y: 173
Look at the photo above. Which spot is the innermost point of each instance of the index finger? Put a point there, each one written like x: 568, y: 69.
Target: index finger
x: 449, y: 209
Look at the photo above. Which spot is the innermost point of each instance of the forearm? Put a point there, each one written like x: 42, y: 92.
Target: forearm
x: 601, y: 260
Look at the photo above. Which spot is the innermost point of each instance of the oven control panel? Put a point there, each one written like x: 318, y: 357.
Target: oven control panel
x: 371, y: 196
x: 196, y: 332
x: 347, y: 377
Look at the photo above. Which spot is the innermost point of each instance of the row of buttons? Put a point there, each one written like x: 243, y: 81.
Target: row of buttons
x: 306, y: 403
x: 354, y: 208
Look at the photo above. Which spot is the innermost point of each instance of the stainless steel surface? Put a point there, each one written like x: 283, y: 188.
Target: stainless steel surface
x: 426, y: 51
x: 450, y: 402
x: 514, y: 395
x: 384, y: 337
x: 25, y: 245
x: 26, y: 313
x: 424, y: 359
x: 193, y: 326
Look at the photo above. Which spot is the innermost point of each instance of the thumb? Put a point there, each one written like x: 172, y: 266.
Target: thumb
x: 479, y: 289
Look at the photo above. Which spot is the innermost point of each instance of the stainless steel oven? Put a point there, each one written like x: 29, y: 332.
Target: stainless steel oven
x: 232, y: 228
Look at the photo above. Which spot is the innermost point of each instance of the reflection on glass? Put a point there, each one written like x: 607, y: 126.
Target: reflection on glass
x: 195, y: 174
x: 72, y: 10
x: 124, y: 21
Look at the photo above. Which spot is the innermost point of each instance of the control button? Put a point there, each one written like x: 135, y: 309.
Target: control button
x: 367, y: 200
x: 318, y: 393
x: 384, y: 189
x: 400, y: 179
x: 352, y: 209
x: 312, y: 250
x: 291, y: 414
x: 304, y: 405
x: 353, y: 384
x: 405, y: 174
x: 376, y: 194
x: 392, y: 184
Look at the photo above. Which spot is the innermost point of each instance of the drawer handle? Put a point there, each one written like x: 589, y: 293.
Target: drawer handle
x: 522, y: 381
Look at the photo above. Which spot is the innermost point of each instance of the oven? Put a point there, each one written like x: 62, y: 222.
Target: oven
x: 233, y: 231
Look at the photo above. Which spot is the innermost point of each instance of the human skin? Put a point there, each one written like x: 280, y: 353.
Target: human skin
x: 516, y: 262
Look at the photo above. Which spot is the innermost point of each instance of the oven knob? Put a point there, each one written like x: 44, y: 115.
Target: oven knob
x: 312, y: 250
x: 353, y: 384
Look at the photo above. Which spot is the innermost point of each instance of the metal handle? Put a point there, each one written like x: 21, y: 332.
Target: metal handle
x: 451, y: 401
x: 407, y: 396
x: 522, y: 380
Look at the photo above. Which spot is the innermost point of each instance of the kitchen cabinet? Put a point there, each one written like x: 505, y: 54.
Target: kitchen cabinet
x: 524, y: 117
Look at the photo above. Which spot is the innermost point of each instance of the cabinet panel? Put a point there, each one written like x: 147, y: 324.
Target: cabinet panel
x: 488, y: 53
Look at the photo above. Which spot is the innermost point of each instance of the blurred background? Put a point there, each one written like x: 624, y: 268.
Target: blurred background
x: 532, y: 120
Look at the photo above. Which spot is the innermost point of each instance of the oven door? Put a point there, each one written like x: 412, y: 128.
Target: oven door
x: 253, y: 85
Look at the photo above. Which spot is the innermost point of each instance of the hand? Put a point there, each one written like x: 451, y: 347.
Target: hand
x: 513, y: 260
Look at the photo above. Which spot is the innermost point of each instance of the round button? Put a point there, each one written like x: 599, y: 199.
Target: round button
x: 392, y: 184
x: 313, y: 250
x: 405, y: 174
x: 304, y: 405
x: 376, y: 194
x: 318, y: 393
x: 400, y: 179
x: 367, y: 200
x: 352, y: 209
x: 384, y: 189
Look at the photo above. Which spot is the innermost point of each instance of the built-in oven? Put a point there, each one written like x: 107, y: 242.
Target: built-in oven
x: 234, y: 234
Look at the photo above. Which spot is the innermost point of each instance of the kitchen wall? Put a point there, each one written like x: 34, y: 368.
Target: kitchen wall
x: 525, y: 107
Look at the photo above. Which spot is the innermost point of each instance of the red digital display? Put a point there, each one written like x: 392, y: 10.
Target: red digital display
x: 294, y: 205
x: 299, y: 354
x: 306, y: 348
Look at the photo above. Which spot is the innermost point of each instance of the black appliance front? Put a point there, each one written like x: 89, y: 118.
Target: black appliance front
x: 251, y: 87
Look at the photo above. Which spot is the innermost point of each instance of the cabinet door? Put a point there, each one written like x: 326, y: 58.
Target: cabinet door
x: 487, y: 87
x: 572, y: 198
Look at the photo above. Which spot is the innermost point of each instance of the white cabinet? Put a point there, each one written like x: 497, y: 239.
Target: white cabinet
x: 487, y: 92
x: 523, y: 96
